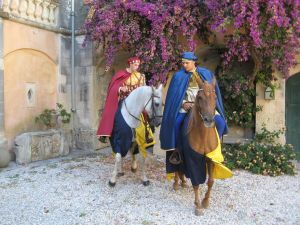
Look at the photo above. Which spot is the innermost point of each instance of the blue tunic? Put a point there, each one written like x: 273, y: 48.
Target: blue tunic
x: 122, y: 134
x: 194, y: 163
x: 175, y: 96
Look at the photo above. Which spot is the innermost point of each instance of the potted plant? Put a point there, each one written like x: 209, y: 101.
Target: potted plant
x: 53, y: 118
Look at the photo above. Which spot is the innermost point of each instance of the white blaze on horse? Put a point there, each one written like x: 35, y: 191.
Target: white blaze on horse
x: 201, y: 147
x: 145, y: 98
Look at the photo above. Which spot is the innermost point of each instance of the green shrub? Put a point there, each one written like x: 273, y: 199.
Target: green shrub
x: 49, y: 117
x: 262, y: 155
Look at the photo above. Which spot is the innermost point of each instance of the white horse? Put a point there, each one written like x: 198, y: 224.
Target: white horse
x: 145, y: 98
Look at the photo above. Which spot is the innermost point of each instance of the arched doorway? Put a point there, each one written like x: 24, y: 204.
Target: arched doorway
x: 293, y: 111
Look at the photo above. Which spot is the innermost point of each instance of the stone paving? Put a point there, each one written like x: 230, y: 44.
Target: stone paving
x: 74, y: 190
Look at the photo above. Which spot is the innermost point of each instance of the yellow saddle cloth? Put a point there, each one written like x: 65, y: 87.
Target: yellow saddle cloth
x: 220, y: 171
x: 140, y: 137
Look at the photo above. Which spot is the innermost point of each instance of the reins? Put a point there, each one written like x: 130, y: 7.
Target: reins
x: 152, y: 106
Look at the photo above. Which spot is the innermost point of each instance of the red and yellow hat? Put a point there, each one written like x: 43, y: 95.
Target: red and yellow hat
x: 132, y: 60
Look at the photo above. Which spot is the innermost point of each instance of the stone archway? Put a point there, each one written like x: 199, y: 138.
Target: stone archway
x: 30, y: 86
x: 292, y: 107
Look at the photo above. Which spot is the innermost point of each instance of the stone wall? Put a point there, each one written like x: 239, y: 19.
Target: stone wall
x: 3, y: 141
x: 36, y: 53
x: 273, y: 113
x: 30, y: 76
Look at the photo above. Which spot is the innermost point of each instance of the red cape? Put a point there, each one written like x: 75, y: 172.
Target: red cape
x: 111, y: 104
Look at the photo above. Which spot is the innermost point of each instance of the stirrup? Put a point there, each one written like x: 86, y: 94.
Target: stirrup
x: 175, y: 157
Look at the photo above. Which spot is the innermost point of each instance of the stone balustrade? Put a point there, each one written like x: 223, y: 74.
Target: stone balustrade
x: 40, y: 11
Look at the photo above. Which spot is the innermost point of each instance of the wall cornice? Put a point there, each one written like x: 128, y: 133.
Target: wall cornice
x: 15, y: 18
x: 40, y: 11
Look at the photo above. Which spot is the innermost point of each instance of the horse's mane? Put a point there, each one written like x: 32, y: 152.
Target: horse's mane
x: 193, y: 117
x: 138, y: 90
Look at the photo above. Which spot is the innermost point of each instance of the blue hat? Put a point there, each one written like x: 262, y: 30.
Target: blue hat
x: 189, y: 56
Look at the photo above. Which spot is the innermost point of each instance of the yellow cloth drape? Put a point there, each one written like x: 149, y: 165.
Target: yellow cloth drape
x: 220, y: 171
x: 193, y: 79
x: 140, y: 139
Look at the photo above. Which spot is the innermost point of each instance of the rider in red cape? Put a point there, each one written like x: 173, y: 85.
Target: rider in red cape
x: 111, y: 104
x: 122, y: 83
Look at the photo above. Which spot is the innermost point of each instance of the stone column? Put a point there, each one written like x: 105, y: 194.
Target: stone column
x: 3, y: 142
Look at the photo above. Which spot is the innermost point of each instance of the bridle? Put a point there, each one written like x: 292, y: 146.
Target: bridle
x: 210, y: 91
x: 152, y: 107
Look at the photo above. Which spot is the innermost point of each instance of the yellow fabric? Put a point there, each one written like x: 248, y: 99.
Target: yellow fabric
x: 193, y: 80
x: 135, y: 79
x: 216, y: 154
x: 140, y: 137
x: 170, y: 176
x: 220, y: 171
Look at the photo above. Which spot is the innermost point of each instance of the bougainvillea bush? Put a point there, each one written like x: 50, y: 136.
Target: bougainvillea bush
x: 158, y: 31
x: 266, y: 30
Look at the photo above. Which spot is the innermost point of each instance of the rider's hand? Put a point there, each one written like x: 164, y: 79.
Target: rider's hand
x: 123, y: 89
x: 187, y: 106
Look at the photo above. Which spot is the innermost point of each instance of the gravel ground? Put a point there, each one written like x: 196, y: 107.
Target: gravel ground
x: 74, y: 190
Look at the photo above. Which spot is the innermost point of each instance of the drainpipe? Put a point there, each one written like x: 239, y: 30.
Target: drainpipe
x: 73, y: 97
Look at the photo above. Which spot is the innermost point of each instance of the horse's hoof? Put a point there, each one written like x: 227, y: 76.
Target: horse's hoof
x: 120, y: 174
x: 111, y: 184
x: 146, y: 183
x: 198, y: 212
x: 184, y: 185
x: 176, y: 187
x: 133, y: 170
x: 205, y: 203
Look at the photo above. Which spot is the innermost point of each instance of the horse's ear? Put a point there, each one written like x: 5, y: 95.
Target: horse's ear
x: 159, y: 87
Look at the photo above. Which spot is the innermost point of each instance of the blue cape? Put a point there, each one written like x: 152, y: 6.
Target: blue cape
x: 175, y: 95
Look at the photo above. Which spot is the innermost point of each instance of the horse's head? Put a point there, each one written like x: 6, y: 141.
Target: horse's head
x: 154, y: 109
x: 205, y: 102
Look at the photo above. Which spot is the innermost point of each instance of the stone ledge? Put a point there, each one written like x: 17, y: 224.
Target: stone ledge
x: 87, y: 139
x: 34, y: 146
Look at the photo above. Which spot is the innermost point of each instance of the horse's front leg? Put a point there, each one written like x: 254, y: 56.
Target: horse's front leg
x: 183, y: 180
x: 176, y: 181
x: 133, y: 158
x: 133, y: 163
x: 120, y: 169
x: 210, y: 183
x: 198, y: 207
x: 145, y: 180
x: 112, y: 181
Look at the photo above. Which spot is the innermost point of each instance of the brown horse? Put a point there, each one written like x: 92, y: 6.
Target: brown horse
x: 201, y: 139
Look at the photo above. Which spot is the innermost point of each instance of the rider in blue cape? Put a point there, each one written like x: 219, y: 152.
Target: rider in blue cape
x: 180, y: 96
